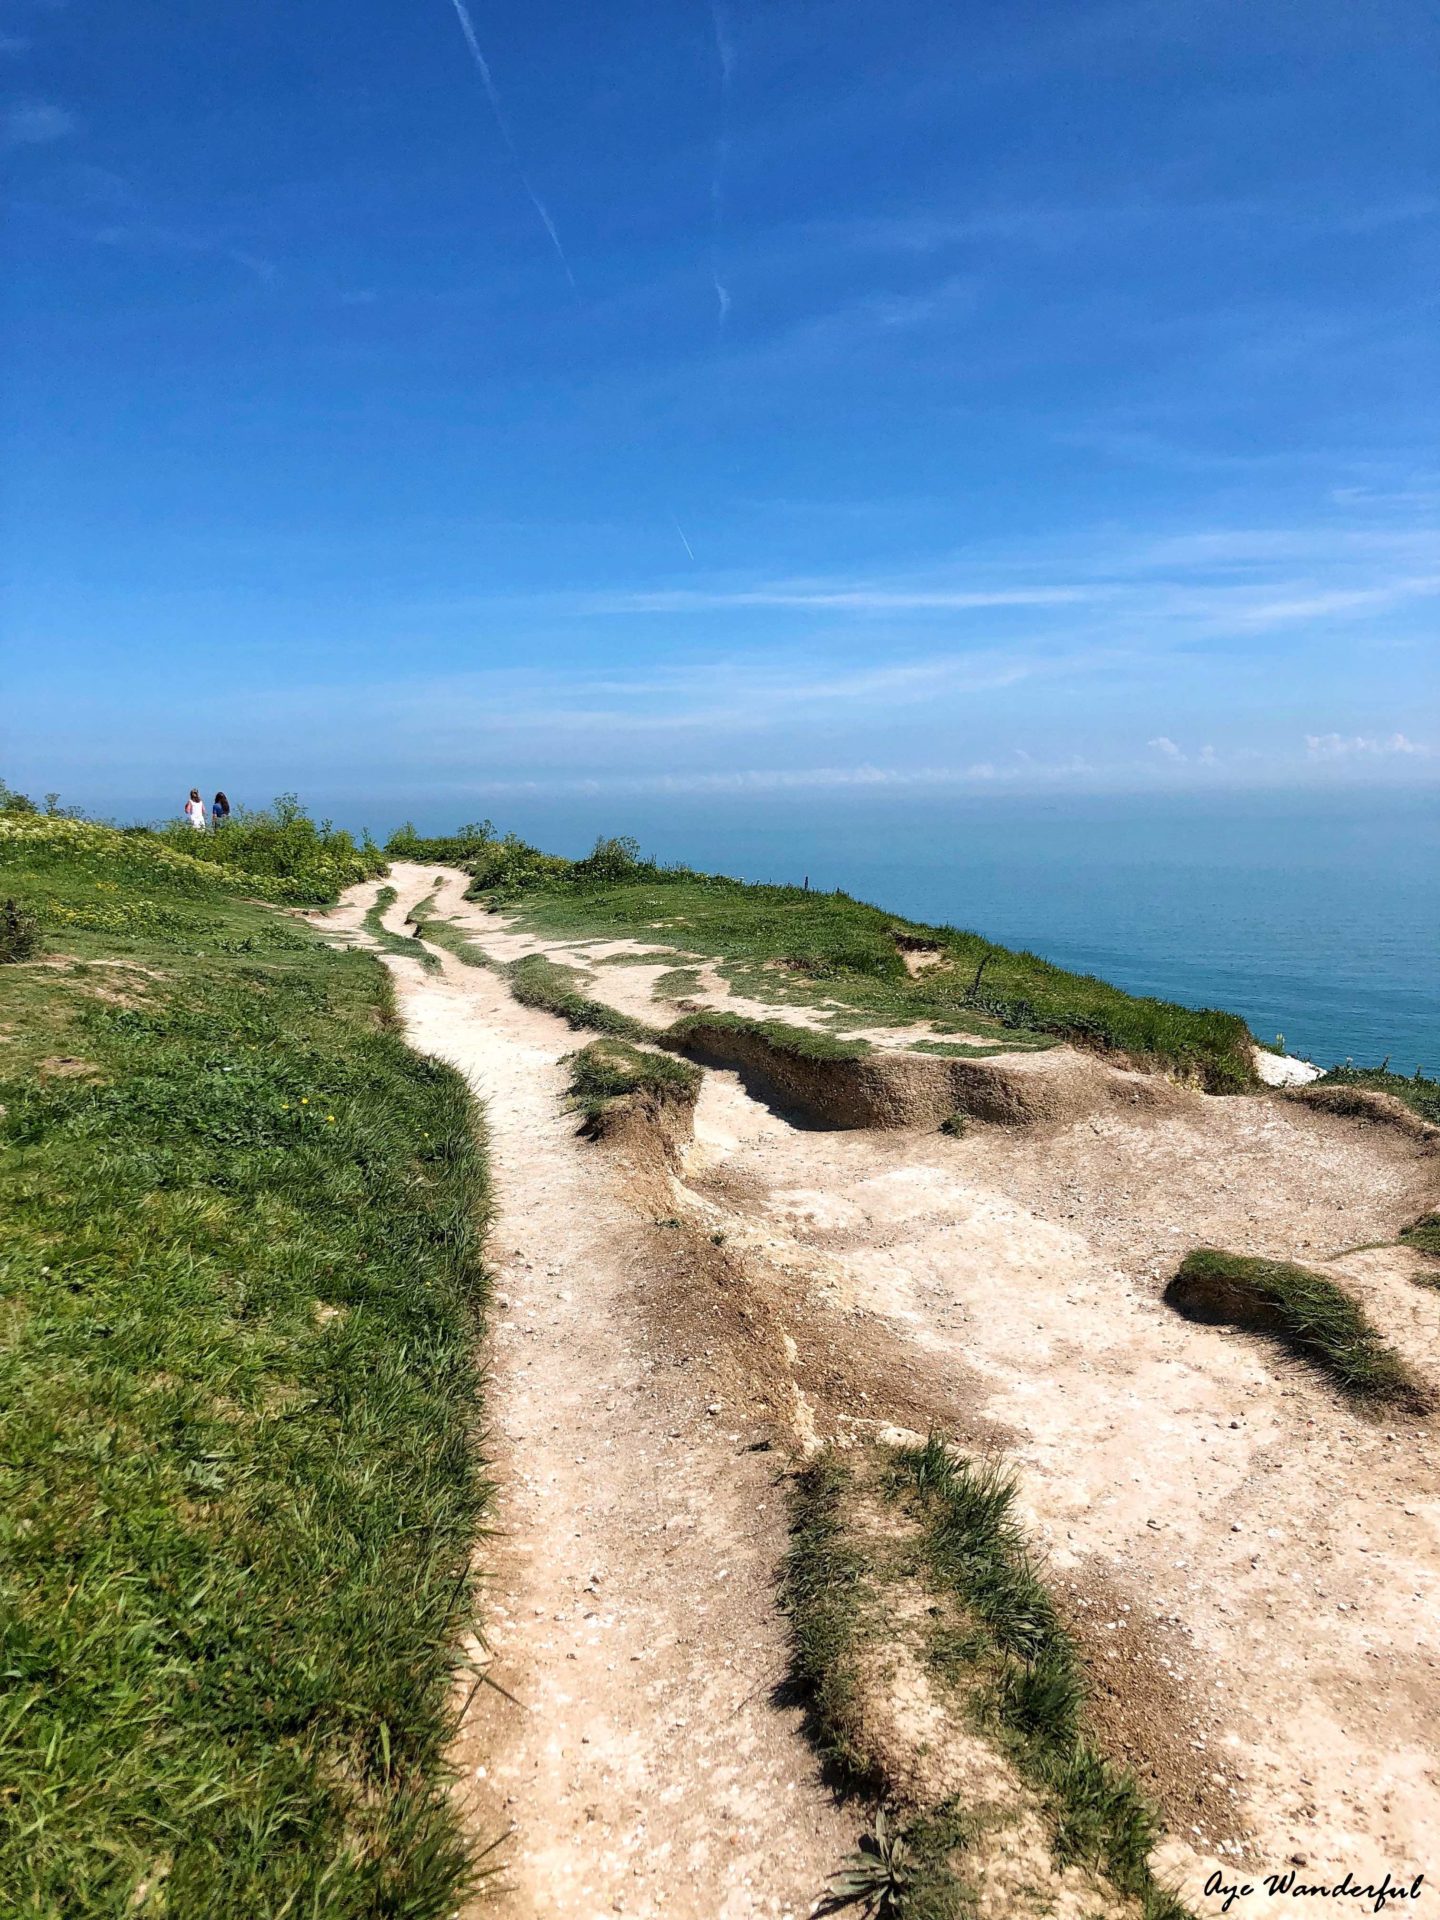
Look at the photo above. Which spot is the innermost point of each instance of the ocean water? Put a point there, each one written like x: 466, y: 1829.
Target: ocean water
x: 1315, y: 918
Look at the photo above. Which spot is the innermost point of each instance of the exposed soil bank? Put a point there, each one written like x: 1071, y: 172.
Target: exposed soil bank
x: 890, y: 1089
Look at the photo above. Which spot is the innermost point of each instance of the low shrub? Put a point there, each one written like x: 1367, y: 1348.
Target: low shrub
x: 19, y: 933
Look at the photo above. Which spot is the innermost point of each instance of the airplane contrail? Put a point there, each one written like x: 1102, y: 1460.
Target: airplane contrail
x: 492, y: 93
x: 681, y: 531
x: 725, y: 54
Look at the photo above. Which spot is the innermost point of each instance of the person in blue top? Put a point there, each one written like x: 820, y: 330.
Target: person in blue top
x: 220, y: 811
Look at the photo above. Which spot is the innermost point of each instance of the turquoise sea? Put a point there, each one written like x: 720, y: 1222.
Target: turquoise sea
x: 1318, y: 918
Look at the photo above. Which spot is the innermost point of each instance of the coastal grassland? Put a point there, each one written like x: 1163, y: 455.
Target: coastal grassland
x: 1308, y: 1312
x: 786, y: 944
x: 909, y: 1571
x: 609, y: 1070
x: 240, y: 1280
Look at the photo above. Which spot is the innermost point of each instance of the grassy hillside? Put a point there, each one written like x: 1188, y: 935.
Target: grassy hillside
x: 239, y: 1280
x: 787, y: 944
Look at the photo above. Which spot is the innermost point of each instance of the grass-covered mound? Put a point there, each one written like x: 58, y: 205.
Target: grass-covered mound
x: 610, y: 1070
x: 1307, y: 1312
x: 1416, y: 1091
x: 779, y: 1036
x: 239, y: 1279
x: 1424, y: 1234
x: 279, y: 852
x: 786, y: 943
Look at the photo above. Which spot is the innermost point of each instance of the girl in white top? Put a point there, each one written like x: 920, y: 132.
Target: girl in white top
x: 195, y: 809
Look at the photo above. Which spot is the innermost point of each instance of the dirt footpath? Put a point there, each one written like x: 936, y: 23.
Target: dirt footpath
x: 1251, y: 1569
x: 636, y: 1757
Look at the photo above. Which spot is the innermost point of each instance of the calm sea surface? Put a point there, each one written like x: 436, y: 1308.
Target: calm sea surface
x: 1318, y: 919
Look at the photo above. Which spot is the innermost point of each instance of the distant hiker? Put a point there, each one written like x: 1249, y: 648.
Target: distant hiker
x: 195, y: 809
x: 219, y: 811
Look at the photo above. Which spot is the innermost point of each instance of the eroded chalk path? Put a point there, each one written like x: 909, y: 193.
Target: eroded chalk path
x: 637, y: 1758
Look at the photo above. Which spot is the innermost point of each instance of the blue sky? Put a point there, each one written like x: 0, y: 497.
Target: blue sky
x: 756, y: 398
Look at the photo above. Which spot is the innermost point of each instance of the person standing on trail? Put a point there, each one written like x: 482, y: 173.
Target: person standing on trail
x: 195, y: 809
x: 219, y: 810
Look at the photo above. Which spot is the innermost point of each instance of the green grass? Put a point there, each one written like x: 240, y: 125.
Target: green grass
x: 403, y: 944
x: 536, y: 981
x: 996, y: 1649
x: 1424, y: 1235
x: 610, y: 1069
x: 798, y: 1043
x: 441, y: 932
x: 785, y: 944
x: 240, y: 1281
x: 1420, y: 1094
x: 1308, y: 1312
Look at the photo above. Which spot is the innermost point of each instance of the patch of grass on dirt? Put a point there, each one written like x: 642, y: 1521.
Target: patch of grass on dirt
x: 537, y: 981
x: 679, y: 983
x: 952, y: 1577
x: 404, y: 944
x: 826, y: 1592
x: 609, y: 1070
x: 240, y: 1281
x: 1308, y: 1312
x: 440, y: 932
x: 784, y: 943
x: 1417, y: 1091
x: 800, y: 1043
x: 656, y: 957
x: 1424, y: 1235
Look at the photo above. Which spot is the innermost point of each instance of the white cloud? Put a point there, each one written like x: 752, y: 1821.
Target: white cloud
x: 1337, y: 746
x: 34, y: 123
x: 1162, y: 744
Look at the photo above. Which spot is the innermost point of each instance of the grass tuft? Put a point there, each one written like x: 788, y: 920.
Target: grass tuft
x: 1424, y: 1235
x: 1309, y: 1313
x: 610, y: 1069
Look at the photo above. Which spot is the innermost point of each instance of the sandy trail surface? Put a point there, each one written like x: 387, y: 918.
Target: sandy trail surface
x: 629, y: 1605
x: 1251, y: 1569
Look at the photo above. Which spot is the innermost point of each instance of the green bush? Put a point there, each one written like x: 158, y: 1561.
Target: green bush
x: 281, y: 852
x: 452, y: 849
x: 19, y: 934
